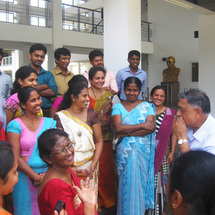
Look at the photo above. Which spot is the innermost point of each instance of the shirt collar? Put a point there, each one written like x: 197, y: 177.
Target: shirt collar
x: 127, y: 69
x: 199, y: 134
x: 58, y: 71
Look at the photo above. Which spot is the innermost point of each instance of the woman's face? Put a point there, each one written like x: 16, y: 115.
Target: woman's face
x: 98, y: 80
x: 33, y: 103
x: 158, y: 97
x: 30, y: 81
x: 82, y: 101
x: 132, y: 92
x: 62, y: 153
x: 12, y: 179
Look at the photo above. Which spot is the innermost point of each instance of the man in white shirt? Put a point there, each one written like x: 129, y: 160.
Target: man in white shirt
x: 194, y: 126
x: 96, y: 60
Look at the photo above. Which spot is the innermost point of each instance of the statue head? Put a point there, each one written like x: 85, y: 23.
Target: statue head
x: 170, y: 62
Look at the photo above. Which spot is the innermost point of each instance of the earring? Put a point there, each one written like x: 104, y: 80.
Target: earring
x: 173, y: 205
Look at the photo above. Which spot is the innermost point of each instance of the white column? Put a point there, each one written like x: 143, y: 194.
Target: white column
x: 122, y: 31
x: 207, y: 56
x: 56, y: 32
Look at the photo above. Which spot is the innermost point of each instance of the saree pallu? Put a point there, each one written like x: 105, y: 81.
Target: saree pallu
x: 24, y: 193
x: 135, y: 164
x: 106, y: 185
x: 81, y: 135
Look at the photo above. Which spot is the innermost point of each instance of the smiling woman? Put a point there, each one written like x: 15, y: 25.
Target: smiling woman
x: 22, y: 132
x: 134, y: 125
x: 25, y: 76
x: 60, y: 183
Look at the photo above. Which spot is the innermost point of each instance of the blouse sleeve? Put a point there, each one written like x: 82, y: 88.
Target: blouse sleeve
x: 116, y: 110
x: 11, y: 104
x: 56, y: 190
x: 151, y: 110
x: 95, y: 119
x: 14, y: 127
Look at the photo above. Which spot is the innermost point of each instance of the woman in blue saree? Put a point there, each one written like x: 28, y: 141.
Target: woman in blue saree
x: 22, y: 133
x: 134, y: 124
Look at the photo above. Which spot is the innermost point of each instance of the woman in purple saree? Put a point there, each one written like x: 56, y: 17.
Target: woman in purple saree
x: 164, y: 152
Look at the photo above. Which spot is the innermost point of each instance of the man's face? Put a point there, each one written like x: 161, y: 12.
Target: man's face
x: 170, y: 62
x: 37, y: 58
x: 187, y: 113
x: 97, y: 62
x: 134, y: 61
x: 63, y: 61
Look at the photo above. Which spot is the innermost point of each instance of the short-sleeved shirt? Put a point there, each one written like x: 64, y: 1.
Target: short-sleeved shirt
x: 61, y: 80
x: 92, y: 118
x: 125, y: 73
x: 204, y: 137
x: 46, y: 77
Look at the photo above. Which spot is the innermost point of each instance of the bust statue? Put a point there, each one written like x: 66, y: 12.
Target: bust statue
x: 171, y: 73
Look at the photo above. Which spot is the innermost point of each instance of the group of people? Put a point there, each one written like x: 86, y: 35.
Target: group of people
x: 54, y: 145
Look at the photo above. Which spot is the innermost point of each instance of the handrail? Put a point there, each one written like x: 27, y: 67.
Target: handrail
x: 96, y: 26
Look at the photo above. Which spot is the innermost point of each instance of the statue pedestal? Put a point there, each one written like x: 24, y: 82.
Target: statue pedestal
x: 172, y: 91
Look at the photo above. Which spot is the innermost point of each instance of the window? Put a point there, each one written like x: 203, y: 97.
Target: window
x: 38, y: 21
x: 7, y: 17
x: 38, y: 3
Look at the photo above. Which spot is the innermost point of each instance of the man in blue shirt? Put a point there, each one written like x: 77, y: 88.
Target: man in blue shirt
x: 47, y: 86
x: 5, y: 88
x: 131, y: 70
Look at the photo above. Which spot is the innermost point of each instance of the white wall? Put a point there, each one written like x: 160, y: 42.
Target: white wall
x: 207, y: 56
x: 173, y: 35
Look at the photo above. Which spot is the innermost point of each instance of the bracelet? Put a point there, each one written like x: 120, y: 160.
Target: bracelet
x: 173, y: 152
x: 181, y: 141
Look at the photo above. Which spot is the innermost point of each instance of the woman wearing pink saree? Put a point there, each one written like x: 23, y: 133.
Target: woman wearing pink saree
x: 22, y: 133
x: 165, y: 149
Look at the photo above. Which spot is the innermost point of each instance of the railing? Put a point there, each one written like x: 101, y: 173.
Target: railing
x: 146, y: 32
x: 7, y: 61
x: 82, y: 19
x: 25, y: 14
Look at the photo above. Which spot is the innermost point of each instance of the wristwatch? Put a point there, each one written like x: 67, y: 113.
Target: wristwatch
x: 181, y: 141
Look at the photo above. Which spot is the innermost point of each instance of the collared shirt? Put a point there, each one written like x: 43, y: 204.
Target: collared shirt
x: 125, y: 73
x: 46, y: 77
x: 204, y: 138
x: 110, y: 80
x: 61, y: 80
x: 5, y: 85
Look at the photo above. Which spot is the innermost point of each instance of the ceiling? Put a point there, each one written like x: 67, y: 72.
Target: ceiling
x: 208, y: 4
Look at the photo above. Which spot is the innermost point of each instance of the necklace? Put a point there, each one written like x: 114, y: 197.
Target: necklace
x: 33, y: 128
x: 101, y: 110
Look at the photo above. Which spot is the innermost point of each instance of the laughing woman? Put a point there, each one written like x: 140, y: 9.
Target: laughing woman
x: 22, y: 133
x: 134, y: 124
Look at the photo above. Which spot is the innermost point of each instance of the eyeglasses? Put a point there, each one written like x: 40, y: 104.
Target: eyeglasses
x: 63, y: 151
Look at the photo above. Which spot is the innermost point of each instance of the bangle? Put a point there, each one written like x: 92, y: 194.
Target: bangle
x: 173, y: 152
x: 129, y: 134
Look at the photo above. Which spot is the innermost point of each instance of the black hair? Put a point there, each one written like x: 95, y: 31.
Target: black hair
x: 47, y: 140
x: 95, y: 53
x: 24, y: 94
x: 133, y: 52
x: 74, y: 89
x: 77, y: 78
x: 193, y: 175
x: 158, y: 87
x: 61, y: 51
x: 196, y: 97
x: 1, y: 52
x: 22, y: 73
x: 37, y: 47
x: 94, y: 70
x: 7, y: 159
x: 132, y: 80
